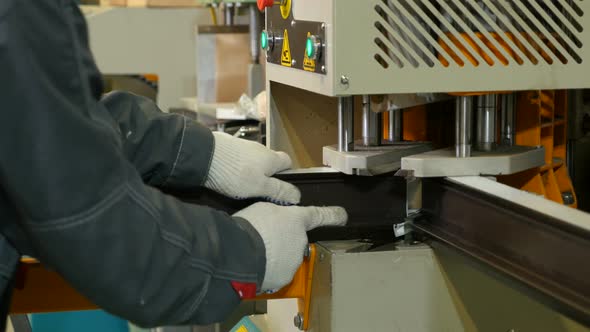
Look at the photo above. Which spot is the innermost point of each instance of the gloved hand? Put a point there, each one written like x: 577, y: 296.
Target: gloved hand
x: 283, y: 231
x: 242, y: 169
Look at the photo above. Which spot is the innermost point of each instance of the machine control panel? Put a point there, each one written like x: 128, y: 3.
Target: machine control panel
x: 290, y: 43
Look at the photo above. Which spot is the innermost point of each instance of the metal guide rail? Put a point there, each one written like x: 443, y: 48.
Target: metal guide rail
x: 545, y: 248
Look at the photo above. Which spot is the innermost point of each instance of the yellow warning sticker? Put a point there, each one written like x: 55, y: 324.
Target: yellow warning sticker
x: 242, y: 329
x: 308, y: 64
x: 286, y: 53
x: 285, y: 9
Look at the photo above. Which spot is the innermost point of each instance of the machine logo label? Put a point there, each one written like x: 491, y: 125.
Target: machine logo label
x: 286, y: 53
x: 308, y: 64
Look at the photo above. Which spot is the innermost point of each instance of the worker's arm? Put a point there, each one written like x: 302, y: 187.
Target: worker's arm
x: 166, y: 150
x: 135, y: 252
x: 85, y: 209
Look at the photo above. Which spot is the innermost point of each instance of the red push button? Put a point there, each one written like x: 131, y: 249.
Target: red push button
x: 262, y: 4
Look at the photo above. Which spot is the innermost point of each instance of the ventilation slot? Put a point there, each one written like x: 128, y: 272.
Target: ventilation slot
x: 474, y: 33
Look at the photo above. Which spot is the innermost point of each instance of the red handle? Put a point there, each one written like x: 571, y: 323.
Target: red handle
x: 262, y: 4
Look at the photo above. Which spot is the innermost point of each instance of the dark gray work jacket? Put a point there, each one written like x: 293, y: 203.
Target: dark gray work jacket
x: 80, y: 182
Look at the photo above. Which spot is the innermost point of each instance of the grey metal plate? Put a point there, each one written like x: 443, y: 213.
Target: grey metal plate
x: 371, y: 160
x: 440, y: 163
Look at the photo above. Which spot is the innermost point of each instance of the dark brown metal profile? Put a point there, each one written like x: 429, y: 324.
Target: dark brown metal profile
x: 545, y: 256
x: 374, y: 204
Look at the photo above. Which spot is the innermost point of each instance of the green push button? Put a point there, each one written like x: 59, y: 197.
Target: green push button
x: 309, y: 48
x: 264, y: 40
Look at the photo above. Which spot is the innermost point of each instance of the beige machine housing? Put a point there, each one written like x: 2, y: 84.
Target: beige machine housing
x: 427, y: 46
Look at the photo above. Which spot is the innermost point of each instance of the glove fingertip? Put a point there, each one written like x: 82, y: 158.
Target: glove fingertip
x: 326, y: 216
x: 338, y: 216
x: 283, y: 161
x: 283, y: 193
x: 292, y: 194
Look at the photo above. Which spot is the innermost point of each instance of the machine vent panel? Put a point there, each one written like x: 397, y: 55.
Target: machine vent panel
x: 475, y: 33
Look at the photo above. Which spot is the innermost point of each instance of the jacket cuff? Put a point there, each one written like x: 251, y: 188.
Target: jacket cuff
x: 259, y: 251
x: 195, y: 151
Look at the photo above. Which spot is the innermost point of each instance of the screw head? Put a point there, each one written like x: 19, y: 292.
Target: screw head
x: 344, y: 80
x: 298, y: 321
x: 322, y: 256
x: 568, y: 198
x: 323, y: 69
x: 323, y: 26
x: 293, y: 23
x: 307, y: 251
x: 293, y: 62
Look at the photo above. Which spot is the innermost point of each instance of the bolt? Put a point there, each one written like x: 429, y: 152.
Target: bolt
x: 323, y: 26
x: 322, y: 256
x: 568, y: 198
x: 344, y: 80
x: 298, y: 321
x: 293, y: 62
x: 307, y: 251
x: 323, y: 69
x: 293, y: 23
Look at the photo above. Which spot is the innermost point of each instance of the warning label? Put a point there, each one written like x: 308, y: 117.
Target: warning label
x: 308, y: 64
x: 286, y: 52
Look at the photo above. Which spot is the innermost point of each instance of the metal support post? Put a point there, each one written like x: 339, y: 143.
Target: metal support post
x: 395, y: 125
x: 345, y: 124
x: 371, y: 127
x: 255, y: 28
x: 486, y: 122
x: 256, y: 82
x: 508, y: 119
x: 229, y: 12
x: 463, y: 126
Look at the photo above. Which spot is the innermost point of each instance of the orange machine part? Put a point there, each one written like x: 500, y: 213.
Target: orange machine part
x: 541, y: 120
x: 151, y: 77
x: 471, y: 50
x: 39, y: 290
x: 414, y: 124
x: 299, y: 288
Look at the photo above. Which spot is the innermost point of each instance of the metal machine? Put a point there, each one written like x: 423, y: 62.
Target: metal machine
x: 408, y: 52
x: 465, y: 103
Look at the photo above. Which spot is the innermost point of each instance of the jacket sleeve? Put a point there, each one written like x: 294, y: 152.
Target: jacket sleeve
x: 130, y: 249
x: 166, y: 149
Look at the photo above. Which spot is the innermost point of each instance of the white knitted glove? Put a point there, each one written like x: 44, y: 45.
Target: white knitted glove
x: 283, y: 231
x: 242, y: 169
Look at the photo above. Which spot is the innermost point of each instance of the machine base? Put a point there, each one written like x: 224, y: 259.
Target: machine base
x: 372, y: 160
x: 505, y: 160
